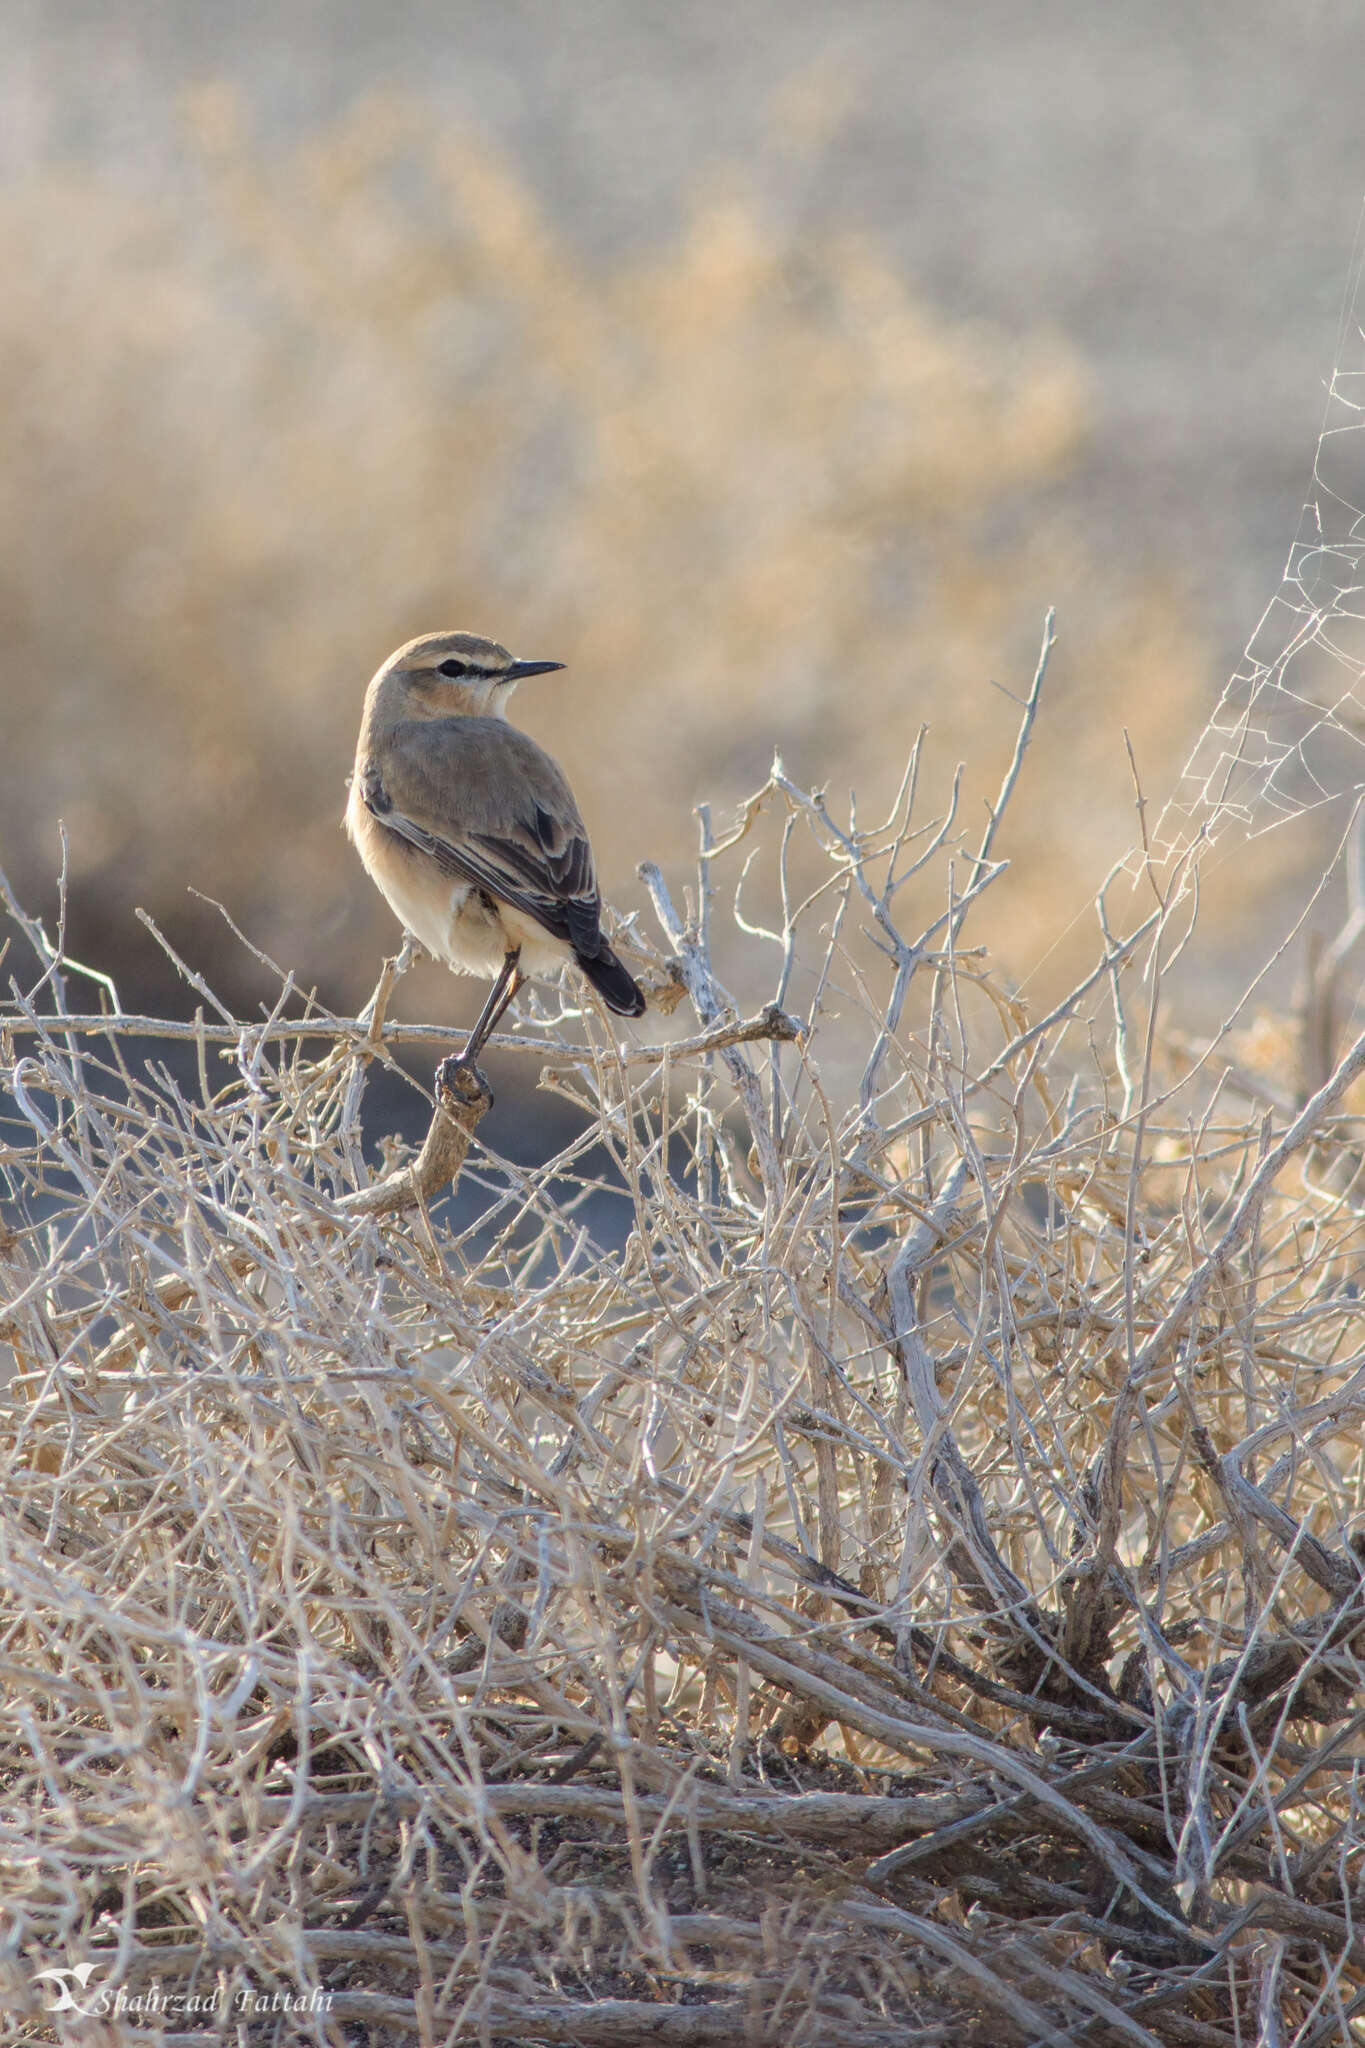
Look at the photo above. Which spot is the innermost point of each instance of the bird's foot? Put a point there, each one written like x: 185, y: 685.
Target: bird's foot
x: 457, y: 1075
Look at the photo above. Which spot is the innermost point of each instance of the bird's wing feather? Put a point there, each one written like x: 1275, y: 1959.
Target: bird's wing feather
x: 489, y: 807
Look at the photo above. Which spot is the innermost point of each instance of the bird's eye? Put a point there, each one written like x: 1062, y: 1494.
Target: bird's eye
x: 452, y: 668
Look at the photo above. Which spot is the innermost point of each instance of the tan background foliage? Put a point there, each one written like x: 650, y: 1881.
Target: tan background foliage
x: 311, y: 399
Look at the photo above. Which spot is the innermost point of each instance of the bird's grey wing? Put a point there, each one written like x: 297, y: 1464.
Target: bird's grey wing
x: 517, y: 835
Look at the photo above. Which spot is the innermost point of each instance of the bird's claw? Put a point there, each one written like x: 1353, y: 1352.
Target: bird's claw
x: 457, y: 1075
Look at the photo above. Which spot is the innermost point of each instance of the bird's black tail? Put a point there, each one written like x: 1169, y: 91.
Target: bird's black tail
x: 613, y: 983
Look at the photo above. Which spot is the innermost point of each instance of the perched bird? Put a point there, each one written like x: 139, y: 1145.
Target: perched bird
x: 471, y: 831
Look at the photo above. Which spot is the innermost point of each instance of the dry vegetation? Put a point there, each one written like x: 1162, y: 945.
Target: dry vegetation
x: 903, y: 1584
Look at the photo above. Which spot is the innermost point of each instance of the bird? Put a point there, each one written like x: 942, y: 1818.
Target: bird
x: 470, y: 830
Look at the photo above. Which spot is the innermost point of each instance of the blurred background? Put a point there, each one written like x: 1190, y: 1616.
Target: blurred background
x: 775, y: 366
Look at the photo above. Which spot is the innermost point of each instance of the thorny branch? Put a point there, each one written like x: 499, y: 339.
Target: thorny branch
x: 876, y: 1519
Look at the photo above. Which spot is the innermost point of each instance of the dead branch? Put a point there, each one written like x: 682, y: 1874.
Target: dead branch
x: 652, y: 1581
x: 461, y: 1103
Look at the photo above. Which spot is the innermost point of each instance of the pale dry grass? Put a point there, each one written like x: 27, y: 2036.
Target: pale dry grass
x: 905, y: 1583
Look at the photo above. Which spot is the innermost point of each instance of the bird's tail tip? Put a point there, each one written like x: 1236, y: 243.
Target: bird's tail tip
x: 614, y: 983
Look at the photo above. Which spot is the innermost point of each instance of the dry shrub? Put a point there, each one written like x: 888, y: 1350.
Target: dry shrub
x: 900, y: 1580
x: 269, y: 417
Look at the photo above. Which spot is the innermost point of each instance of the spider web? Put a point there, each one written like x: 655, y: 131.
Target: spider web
x: 1288, y: 733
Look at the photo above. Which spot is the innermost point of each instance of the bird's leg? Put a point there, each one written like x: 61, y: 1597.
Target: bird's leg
x: 499, y: 996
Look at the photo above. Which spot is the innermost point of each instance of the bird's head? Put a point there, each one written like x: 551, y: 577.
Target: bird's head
x: 446, y: 675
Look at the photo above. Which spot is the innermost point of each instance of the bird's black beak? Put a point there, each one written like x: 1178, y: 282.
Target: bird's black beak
x: 519, y: 670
